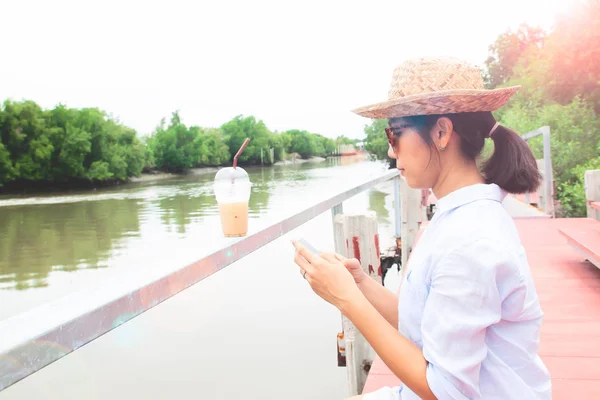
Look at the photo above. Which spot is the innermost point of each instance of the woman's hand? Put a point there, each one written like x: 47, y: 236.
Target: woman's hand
x: 327, y: 275
x: 353, y: 266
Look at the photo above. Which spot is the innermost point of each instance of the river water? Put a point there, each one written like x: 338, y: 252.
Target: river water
x: 254, y: 330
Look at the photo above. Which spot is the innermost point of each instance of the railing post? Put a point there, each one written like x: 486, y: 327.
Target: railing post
x: 546, y: 191
x: 541, y: 191
x: 411, y: 217
x: 356, y: 236
x: 335, y: 210
x: 592, y: 192
x: 548, y: 175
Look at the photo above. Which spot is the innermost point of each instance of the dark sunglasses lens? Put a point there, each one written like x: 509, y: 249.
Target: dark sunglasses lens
x: 391, y: 137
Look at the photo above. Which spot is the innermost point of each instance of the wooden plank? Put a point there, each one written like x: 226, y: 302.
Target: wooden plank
x: 580, y: 345
x: 586, y: 241
x: 571, y: 327
x: 546, y: 283
x: 576, y: 299
x: 574, y: 367
x: 580, y: 389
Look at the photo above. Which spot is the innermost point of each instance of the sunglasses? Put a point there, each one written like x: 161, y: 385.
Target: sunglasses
x: 393, y: 134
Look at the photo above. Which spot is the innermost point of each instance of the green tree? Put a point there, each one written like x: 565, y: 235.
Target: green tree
x: 65, y: 144
x: 560, y: 79
x: 240, y: 128
x: 326, y: 146
x: 7, y: 171
x: 26, y: 137
x: 302, y: 142
x: 277, y: 143
x: 573, y: 55
x: 507, y: 50
x: 175, y: 147
x: 341, y: 140
x: 376, y: 141
x: 212, y: 146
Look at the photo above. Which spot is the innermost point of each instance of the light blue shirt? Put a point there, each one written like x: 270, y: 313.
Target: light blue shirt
x: 469, y: 302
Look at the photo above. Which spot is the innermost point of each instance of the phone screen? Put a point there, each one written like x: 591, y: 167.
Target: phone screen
x: 309, y: 246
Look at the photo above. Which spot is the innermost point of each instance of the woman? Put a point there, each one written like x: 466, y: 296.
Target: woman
x: 466, y: 322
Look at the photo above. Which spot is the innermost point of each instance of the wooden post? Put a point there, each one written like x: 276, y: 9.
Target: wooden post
x: 411, y: 218
x: 592, y: 192
x: 355, y: 236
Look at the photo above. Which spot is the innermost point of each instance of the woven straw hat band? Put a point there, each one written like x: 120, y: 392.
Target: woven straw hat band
x: 430, y: 75
x: 437, y: 85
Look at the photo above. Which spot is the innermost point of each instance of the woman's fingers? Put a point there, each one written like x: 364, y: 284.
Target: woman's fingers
x: 340, y: 257
x: 330, y: 257
x: 302, y: 263
x: 308, y: 255
x: 305, y: 267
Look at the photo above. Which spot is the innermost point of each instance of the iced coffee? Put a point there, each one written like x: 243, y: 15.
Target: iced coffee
x: 232, y: 191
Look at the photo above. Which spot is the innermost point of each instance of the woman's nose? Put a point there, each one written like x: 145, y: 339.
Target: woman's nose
x: 391, y: 152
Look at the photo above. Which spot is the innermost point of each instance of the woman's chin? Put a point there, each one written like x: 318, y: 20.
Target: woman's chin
x: 410, y: 181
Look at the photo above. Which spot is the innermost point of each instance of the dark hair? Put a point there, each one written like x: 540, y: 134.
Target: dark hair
x: 512, y: 166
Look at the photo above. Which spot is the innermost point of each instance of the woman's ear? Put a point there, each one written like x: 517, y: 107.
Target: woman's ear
x: 442, y: 132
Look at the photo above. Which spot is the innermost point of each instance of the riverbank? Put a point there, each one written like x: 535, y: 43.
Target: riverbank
x: 160, y: 175
x: 295, y: 161
x: 24, y: 187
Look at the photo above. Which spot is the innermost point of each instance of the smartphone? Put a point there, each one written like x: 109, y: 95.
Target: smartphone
x: 309, y: 246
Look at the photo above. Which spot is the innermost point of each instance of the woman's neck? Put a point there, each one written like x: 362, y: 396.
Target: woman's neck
x: 458, y: 176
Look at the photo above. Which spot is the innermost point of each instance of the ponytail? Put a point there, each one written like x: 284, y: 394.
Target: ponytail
x: 512, y: 166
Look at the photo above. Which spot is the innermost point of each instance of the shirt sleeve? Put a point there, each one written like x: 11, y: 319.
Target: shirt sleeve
x: 463, y: 301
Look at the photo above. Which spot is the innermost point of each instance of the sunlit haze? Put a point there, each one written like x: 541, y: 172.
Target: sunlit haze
x: 295, y: 65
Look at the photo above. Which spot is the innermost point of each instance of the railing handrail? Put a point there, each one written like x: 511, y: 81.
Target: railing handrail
x: 38, y: 337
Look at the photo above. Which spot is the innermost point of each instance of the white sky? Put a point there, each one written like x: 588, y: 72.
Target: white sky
x: 295, y: 65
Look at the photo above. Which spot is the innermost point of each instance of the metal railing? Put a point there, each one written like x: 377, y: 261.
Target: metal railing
x: 34, y: 339
x: 548, y: 184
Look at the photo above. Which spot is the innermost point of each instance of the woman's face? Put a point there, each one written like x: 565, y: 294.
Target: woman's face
x: 417, y: 160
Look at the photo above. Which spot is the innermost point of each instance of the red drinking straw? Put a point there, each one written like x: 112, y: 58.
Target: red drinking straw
x: 235, y: 158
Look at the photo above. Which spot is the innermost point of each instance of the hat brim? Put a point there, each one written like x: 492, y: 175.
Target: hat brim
x: 443, y: 102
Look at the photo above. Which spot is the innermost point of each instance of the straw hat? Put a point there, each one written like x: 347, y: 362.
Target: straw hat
x: 436, y: 85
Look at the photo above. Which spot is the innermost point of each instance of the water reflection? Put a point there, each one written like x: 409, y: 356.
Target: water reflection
x: 183, y: 209
x: 377, y: 204
x: 38, y: 239
x: 188, y: 201
x: 262, y: 182
x: 81, y: 231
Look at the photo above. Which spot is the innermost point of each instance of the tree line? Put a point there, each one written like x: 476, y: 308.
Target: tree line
x: 560, y: 76
x: 68, y: 145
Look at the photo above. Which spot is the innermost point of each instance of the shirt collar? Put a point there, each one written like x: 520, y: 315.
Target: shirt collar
x: 469, y: 194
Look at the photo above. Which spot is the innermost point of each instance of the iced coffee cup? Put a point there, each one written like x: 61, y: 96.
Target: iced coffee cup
x: 232, y: 191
